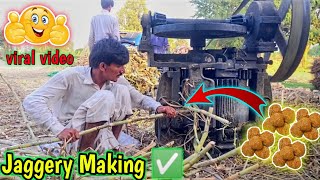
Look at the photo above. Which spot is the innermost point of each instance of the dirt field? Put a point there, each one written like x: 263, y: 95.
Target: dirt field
x: 13, y: 131
x: 24, y: 81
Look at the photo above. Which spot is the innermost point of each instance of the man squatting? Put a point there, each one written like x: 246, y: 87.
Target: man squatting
x: 89, y: 97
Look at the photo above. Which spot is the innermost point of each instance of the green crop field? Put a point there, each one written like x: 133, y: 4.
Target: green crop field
x: 300, y: 78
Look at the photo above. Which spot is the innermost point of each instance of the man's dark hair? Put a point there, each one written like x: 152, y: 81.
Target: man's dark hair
x: 108, y: 51
x: 107, y: 3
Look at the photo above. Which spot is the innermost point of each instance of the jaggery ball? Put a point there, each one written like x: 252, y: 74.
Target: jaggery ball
x: 284, y: 130
x: 301, y: 113
x: 256, y: 143
x: 267, y: 138
x: 305, y: 124
x: 295, y: 163
x: 287, y: 153
x: 267, y: 125
x: 253, y: 131
x: 274, y: 108
x: 278, y: 160
x: 247, y: 150
x: 312, y: 135
x: 264, y: 153
x: 298, y: 149
x: 315, y: 120
x: 277, y: 120
x: 289, y: 115
x: 284, y: 142
x: 296, y: 131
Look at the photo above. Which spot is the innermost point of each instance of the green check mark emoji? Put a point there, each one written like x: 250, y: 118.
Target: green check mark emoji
x: 167, y: 165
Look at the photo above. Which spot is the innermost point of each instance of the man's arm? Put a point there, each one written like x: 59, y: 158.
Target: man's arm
x: 145, y: 102
x: 37, y: 103
x: 116, y: 29
x: 91, y: 35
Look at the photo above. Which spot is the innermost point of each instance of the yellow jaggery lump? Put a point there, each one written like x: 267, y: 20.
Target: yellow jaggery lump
x: 278, y: 160
x: 274, y: 108
x: 289, y: 115
x: 277, y: 120
x: 287, y: 153
x: 267, y: 125
x: 263, y: 153
x: 315, y: 120
x: 296, y: 131
x: 298, y: 149
x: 256, y: 143
x: 295, y: 163
x: 247, y: 150
x: 267, y: 138
x: 301, y: 113
x: 253, y: 131
x: 305, y: 124
x: 284, y: 142
x: 312, y: 135
x: 284, y: 130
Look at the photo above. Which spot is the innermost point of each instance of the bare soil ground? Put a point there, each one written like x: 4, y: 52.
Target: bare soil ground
x: 13, y: 130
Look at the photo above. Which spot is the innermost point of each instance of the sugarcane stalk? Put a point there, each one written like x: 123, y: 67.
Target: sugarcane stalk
x: 188, y: 159
x: 212, y: 161
x: 147, y: 154
x: 243, y: 172
x: 199, y: 156
x: 220, y: 119
x: 26, y: 145
x: 146, y: 149
x: 205, y: 132
x: 126, y: 121
x: 195, y: 130
x: 151, y: 117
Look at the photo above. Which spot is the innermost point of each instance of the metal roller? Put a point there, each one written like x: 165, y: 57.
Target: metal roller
x: 292, y: 49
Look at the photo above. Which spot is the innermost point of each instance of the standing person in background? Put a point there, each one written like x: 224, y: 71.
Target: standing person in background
x: 104, y: 24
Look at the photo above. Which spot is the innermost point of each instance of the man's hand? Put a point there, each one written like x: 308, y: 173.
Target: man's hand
x: 68, y: 133
x: 169, y: 111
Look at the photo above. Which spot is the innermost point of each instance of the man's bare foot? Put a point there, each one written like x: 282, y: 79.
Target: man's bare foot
x: 87, y: 140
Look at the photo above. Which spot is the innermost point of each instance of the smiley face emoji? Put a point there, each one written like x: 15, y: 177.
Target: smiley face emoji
x: 38, y: 22
x: 37, y: 25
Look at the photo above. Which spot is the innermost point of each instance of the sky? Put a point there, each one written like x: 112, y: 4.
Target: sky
x: 79, y: 12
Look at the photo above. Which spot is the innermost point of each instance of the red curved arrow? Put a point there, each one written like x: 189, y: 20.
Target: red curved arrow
x: 253, y: 100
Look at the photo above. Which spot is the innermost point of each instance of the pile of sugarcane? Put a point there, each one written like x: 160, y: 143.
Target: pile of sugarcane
x: 295, y: 96
x: 83, y: 59
x: 142, y: 77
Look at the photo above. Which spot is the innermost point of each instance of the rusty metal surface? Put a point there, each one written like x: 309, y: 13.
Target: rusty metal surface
x: 241, y: 67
